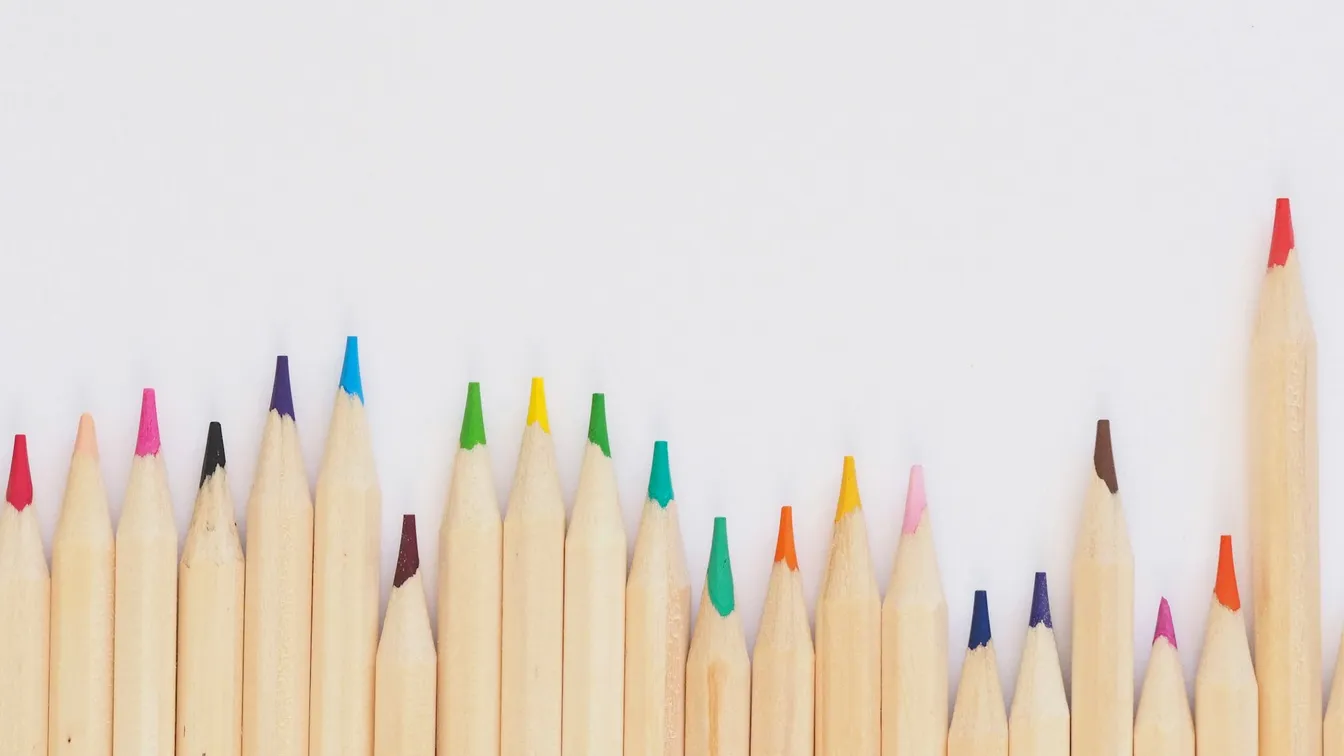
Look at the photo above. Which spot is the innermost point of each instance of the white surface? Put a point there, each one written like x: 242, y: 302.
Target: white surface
x: 938, y: 233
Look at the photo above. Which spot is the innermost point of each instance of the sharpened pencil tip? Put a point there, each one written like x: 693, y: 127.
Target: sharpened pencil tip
x: 1103, y: 458
x: 352, y: 382
x: 536, y: 406
x: 86, y: 438
x: 473, y: 419
x: 214, y: 452
x: 282, y: 399
x: 784, y: 548
x: 849, y: 491
x: 1165, y: 628
x: 408, y: 556
x: 980, y: 633
x: 597, y: 425
x: 147, y: 440
x: 19, y: 494
x: 1040, y: 603
x: 1282, y: 242
x: 660, y: 476
x: 1225, y: 588
x: 915, y: 500
x: 719, y: 576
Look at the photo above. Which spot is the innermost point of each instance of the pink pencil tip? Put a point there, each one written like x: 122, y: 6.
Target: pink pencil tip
x: 19, y: 494
x: 1281, y: 242
x: 148, y: 441
x: 1165, y: 628
x: 915, y: 501
x: 86, y: 439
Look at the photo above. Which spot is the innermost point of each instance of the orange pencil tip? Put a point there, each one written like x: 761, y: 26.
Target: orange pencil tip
x: 784, y: 551
x: 1225, y: 589
x: 1282, y: 242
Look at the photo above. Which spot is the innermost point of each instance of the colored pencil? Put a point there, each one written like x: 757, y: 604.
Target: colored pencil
x: 1333, y: 744
x: 346, y: 540
x: 657, y: 624
x: 1285, y: 537
x: 403, y: 721
x: 470, y: 572
x: 718, y: 672
x: 1103, y: 616
x: 532, y: 651
x: 979, y: 722
x: 25, y: 598
x: 144, y: 637
x: 1226, y: 697
x: 210, y: 617
x: 1163, y: 726
x: 1039, y: 725
x: 594, y: 662
x: 849, y: 636
x: 279, y: 592
x: 914, y: 638
x: 782, y: 678
x: 278, y: 597
x: 83, y: 572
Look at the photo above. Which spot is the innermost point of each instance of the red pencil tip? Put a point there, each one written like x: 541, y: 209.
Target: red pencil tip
x: 1225, y: 589
x: 1282, y: 242
x: 19, y: 494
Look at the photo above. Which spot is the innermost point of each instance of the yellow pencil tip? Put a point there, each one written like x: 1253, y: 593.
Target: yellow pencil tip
x: 849, y: 491
x: 536, y: 406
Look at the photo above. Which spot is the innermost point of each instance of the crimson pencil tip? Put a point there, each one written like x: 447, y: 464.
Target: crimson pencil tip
x: 408, y: 557
x: 19, y: 494
x: 1281, y: 243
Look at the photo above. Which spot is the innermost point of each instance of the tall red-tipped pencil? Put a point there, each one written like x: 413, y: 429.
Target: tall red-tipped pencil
x: 346, y: 525
x: 979, y: 722
x: 1285, y: 534
x: 210, y: 617
x: 1103, y: 616
x: 849, y: 636
x: 403, y: 722
x: 914, y: 638
x: 1039, y: 725
x: 782, y: 668
x: 82, y: 578
x: 279, y: 591
x: 1226, y: 696
x: 144, y: 640
x: 1163, y: 726
x: 25, y: 595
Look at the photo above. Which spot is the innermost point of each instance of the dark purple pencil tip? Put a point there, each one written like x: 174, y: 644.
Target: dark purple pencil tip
x: 282, y: 400
x: 408, y: 558
x: 1040, y: 603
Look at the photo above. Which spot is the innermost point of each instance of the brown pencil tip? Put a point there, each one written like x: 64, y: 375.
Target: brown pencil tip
x: 1102, y: 458
x: 408, y: 558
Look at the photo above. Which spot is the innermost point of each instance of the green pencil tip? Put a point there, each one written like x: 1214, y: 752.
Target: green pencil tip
x: 597, y: 424
x: 660, y: 476
x: 719, y: 577
x: 473, y: 421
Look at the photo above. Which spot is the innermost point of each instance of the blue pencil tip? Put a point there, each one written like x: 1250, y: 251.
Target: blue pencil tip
x: 282, y: 400
x: 350, y: 380
x: 1040, y: 603
x: 980, y: 635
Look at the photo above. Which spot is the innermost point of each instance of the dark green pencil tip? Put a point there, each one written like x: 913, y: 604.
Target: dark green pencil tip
x: 473, y: 422
x: 719, y: 577
x: 660, y: 476
x: 597, y: 424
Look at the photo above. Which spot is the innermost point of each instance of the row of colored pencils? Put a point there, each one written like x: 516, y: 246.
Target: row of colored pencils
x: 548, y: 647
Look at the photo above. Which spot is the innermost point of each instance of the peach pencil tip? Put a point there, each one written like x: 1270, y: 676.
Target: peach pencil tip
x: 86, y: 439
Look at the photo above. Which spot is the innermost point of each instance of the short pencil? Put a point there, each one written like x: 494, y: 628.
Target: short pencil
x: 782, y: 678
x: 1039, y: 725
x: 403, y: 720
x: 979, y: 722
x: 1225, y: 691
x: 1163, y: 726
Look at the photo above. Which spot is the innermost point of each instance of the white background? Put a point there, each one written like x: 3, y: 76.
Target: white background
x: 953, y: 233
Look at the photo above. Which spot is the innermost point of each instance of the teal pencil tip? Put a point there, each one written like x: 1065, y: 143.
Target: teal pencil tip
x: 473, y: 420
x: 350, y: 379
x: 660, y: 476
x: 597, y: 424
x: 719, y: 577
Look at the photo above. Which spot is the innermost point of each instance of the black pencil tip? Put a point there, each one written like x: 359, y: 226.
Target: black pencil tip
x: 214, y: 452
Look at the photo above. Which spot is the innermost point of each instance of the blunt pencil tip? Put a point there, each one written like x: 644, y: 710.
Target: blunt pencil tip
x: 1282, y: 242
x: 1040, y: 603
x: 980, y: 632
x: 1165, y: 628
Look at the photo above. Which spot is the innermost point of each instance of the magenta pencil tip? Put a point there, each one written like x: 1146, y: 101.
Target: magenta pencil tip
x: 1165, y: 627
x: 147, y: 442
x: 915, y: 500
